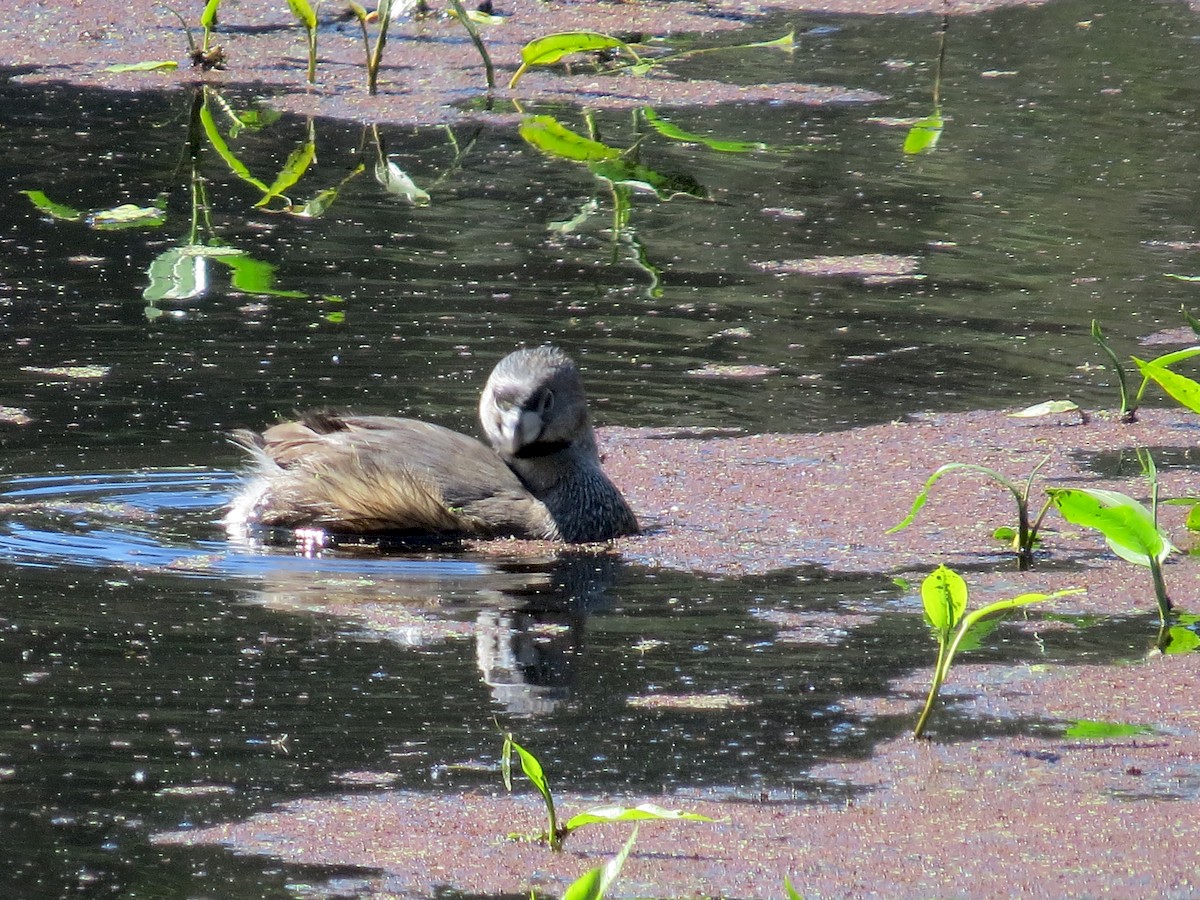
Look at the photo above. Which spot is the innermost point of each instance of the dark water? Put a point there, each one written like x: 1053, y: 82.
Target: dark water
x: 157, y: 677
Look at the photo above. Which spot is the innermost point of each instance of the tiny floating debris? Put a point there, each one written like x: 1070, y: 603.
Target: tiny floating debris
x: 14, y: 416
x: 713, y: 370
x: 690, y: 701
x: 873, y: 268
x: 71, y: 372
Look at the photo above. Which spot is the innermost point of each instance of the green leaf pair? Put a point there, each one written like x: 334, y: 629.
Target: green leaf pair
x: 944, y: 596
x: 554, y: 834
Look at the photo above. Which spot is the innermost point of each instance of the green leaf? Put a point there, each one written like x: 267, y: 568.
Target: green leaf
x: 642, y: 813
x: 675, y: 133
x: 256, y: 119
x: 594, y: 883
x: 1192, y: 321
x: 923, y: 494
x: 1179, y: 387
x: 1013, y: 603
x: 1193, y: 518
x: 298, y: 162
x: 977, y: 633
x: 218, y: 143
x: 790, y: 892
x: 1126, y: 524
x: 323, y: 200
x: 787, y: 42
x: 664, y: 185
x: 1045, y: 408
x: 944, y: 595
x: 147, y: 66
x: 304, y: 13
x: 479, y: 17
x: 253, y: 276
x: 1092, y: 730
x: 1168, y: 359
x: 532, y: 768
x: 52, y: 209
x: 317, y: 206
x: 924, y: 133
x: 547, y: 134
x: 1181, y: 640
x: 127, y: 215
x: 549, y: 49
x: 506, y: 761
x: 208, y: 18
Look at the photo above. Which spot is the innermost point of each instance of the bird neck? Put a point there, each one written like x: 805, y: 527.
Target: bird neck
x: 548, y: 467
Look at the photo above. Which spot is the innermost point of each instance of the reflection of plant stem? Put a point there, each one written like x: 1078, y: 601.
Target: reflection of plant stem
x: 937, y: 76
x: 460, y: 153
x: 380, y: 155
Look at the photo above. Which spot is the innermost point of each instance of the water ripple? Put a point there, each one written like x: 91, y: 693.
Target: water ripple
x: 162, y: 520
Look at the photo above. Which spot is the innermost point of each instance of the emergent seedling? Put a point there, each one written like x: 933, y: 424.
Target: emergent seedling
x: 1130, y: 529
x: 555, y: 834
x: 1024, y: 539
x: 944, y: 596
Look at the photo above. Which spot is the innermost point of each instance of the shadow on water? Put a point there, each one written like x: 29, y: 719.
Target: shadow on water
x: 165, y: 679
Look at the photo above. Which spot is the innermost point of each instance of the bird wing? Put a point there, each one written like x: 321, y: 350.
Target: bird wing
x: 373, y: 473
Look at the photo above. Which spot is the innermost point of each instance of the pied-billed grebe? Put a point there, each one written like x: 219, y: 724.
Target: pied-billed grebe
x: 541, y: 478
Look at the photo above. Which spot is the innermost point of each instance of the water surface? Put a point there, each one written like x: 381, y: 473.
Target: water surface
x: 159, y: 677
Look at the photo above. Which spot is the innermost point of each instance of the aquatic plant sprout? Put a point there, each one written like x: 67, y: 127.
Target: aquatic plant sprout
x: 307, y: 16
x: 1129, y: 528
x: 944, y: 595
x: 1024, y: 539
x: 1180, y: 388
x: 554, y: 835
x: 383, y: 18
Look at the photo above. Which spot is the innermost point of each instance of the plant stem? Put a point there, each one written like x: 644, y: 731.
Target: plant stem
x: 488, y: 70
x: 376, y: 57
x: 1160, y: 591
x: 939, y: 675
x: 312, y: 56
x: 1029, y: 538
x: 1128, y: 409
